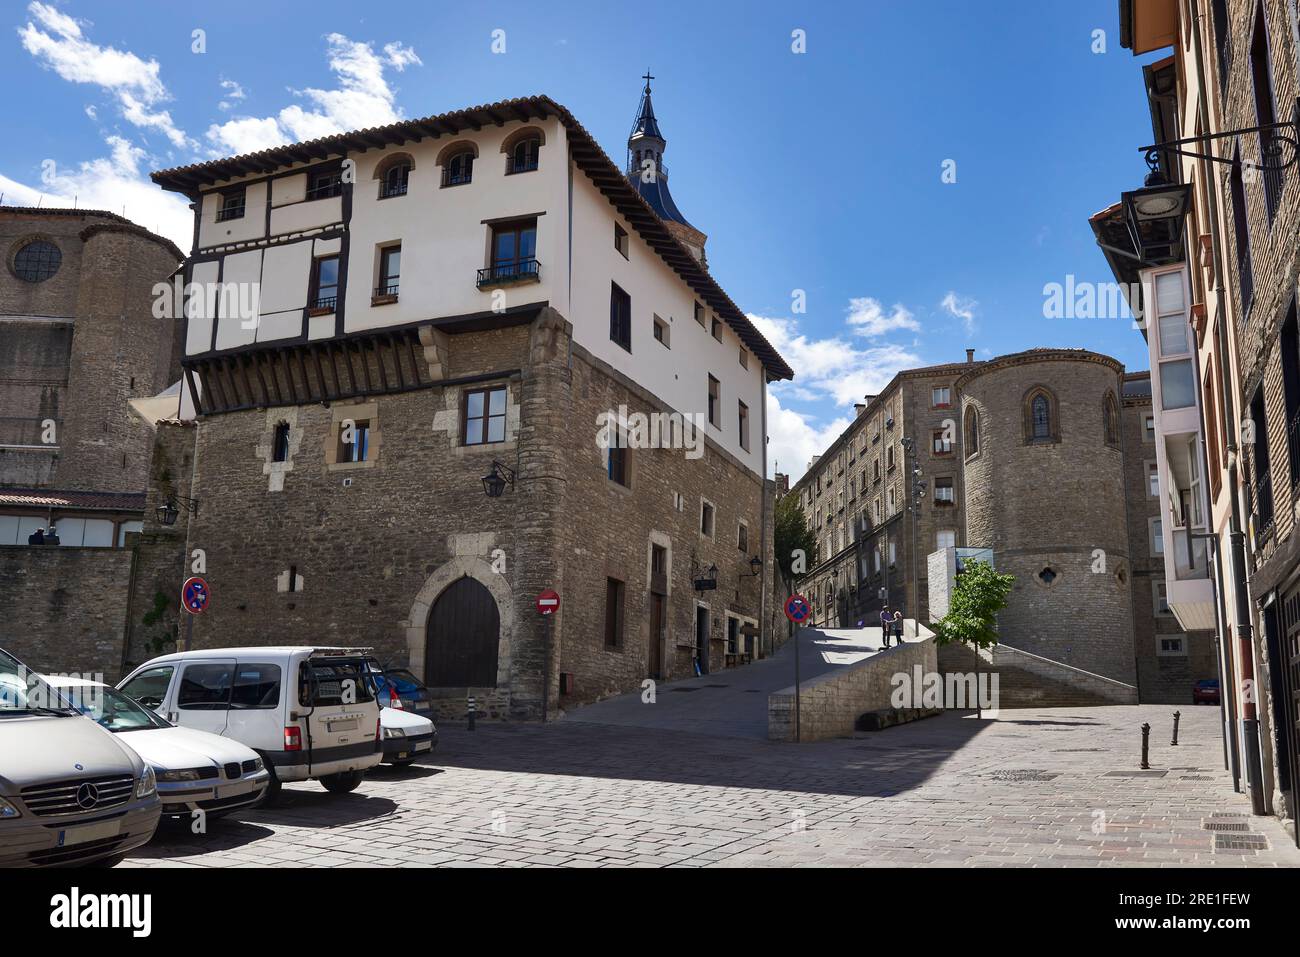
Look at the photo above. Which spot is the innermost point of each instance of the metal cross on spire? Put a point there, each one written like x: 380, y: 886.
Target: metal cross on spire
x: 647, y: 77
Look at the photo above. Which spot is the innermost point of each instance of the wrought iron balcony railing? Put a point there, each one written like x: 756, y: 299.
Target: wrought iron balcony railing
x: 388, y: 190
x: 325, y: 302
x: 1293, y: 447
x: 1262, y: 502
x: 387, y: 289
x: 520, y: 271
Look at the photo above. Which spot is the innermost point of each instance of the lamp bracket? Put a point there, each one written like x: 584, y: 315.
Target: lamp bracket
x: 1275, y: 150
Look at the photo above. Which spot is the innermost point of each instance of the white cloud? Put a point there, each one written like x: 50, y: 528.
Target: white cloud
x: 234, y: 93
x: 867, y: 317
x: 832, y: 371
x: 59, y: 44
x: 960, y: 307
x: 115, y: 183
x: 363, y: 98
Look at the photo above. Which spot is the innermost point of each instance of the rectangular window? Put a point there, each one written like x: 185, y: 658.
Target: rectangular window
x: 742, y: 537
x: 390, y: 270
x: 620, y: 240
x: 715, y: 402
x: 325, y: 283
x: 1241, y: 232
x: 1153, y: 480
x: 617, y: 465
x: 354, y: 441
x: 1155, y: 529
x: 280, y: 444
x: 744, y: 426
x: 944, y: 493
x: 485, y: 416
x: 1212, y: 437
x: 715, y: 329
x: 940, y: 397
x: 706, y: 519
x: 1170, y: 644
x: 662, y: 332
x: 889, y: 457
x: 613, y: 613
x: 1149, y: 428
x: 891, y: 501
x: 231, y: 206
x: 945, y: 538
x: 1160, y: 598
x: 1177, y: 384
x: 1261, y: 75
x: 620, y: 317
x: 699, y: 313
x: 514, y: 251
x: 942, y: 443
x: 744, y: 358
x: 325, y: 183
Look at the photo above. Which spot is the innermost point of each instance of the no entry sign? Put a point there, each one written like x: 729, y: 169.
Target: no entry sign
x: 797, y: 609
x: 548, y: 602
x: 195, y: 596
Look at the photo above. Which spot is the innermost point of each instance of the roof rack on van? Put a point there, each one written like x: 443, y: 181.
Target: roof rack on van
x: 342, y: 652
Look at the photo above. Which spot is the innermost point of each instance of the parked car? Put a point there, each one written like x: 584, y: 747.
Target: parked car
x: 408, y: 728
x: 1206, y: 691
x: 195, y: 770
x: 70, y: 792
x: 309, y: 713
x: 398, y: 688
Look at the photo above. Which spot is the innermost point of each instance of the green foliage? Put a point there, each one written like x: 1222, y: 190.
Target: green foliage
x: 163, y: 639
x: 791, y: 534
x: 979, y: 595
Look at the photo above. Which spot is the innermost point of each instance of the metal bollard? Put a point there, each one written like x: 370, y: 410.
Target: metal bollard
x: 1146, y: 739
x: 1174, y: 742
x: 470, y: 713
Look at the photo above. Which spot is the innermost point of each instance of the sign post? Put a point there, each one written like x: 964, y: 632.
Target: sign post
x: 798, y: 611
x: 195, y: 596
x: 548, y: 603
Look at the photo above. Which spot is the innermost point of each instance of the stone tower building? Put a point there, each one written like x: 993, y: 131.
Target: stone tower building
x: 1044, y: 480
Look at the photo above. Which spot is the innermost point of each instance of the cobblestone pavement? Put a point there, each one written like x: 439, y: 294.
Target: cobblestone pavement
x: 1054, y: 787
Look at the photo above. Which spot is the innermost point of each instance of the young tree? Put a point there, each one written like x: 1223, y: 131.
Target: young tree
x: 979, y: 595
x: 793, y: 540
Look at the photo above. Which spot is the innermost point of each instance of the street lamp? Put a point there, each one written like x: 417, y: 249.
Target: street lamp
x: 755, y: 566
x: 1154, y: 215
x: 495, y: 482
x: 169, y: 511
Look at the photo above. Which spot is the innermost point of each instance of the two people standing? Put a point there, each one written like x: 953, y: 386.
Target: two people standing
x: 891, y: 623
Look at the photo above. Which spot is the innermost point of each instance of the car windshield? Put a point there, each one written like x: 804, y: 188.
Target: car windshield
x: 113, y: 710
x: 24, y: 692
x: 334, y: 681
x: 405, y: 682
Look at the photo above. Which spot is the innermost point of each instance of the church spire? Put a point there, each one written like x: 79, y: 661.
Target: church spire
x: 647, y: 172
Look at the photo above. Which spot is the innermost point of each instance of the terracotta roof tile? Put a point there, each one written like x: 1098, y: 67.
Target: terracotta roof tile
x: 60, y: 498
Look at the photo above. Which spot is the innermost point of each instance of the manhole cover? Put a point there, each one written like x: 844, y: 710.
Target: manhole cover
x: 1226, y: 826
x: 1136, y: 774
x: 1022, y: 774
x: 1240, y: 842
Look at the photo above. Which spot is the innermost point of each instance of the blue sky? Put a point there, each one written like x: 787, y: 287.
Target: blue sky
x: 817, y: 171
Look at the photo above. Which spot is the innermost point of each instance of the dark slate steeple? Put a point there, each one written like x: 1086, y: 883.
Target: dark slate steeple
x: 647, y: 172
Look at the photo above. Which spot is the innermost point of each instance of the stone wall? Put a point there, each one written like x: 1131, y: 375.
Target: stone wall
x: 830, y: 704
x: 1054, y: 512
x: 64, y: 608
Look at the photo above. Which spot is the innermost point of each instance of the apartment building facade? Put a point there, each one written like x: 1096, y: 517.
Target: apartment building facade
x: 1214, y: 273
x: 482, y: 364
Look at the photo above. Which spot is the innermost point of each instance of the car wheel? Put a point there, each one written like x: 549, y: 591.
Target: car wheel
x: 342, y: 783
x: 272, y: 792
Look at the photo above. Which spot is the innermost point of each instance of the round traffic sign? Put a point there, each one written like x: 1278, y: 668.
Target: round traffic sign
x: 195, y: 595
x: 548, y: 602
x: 797, y: 609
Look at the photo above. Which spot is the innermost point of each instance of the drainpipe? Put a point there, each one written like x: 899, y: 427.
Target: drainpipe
x: 764, y: 638
x: 1236, y: 536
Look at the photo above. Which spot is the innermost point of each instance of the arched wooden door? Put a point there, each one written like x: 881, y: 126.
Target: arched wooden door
x: 462, y: 637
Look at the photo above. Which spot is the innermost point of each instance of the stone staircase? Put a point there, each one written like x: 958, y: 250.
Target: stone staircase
x: 1028, y: 681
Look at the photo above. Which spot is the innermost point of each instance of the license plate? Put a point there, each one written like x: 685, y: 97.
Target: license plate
x: 91, y: 832
x: 350, y: 725
x: 423, y: 746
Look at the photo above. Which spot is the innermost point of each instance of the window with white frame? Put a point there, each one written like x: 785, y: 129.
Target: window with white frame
x: 1177, y: 376
x: 940, y: 397
x: 945, y: 538
x: 1153, y: 479
x: 1160, y: 599
x: 1155, y: 529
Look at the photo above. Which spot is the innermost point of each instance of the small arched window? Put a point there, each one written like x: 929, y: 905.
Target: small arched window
x: 1110, y: 419
x: 459, y: 169
x: 1040, y: 416
x: 394, y: 174
x: 522, y: 149
x: 972, y: 440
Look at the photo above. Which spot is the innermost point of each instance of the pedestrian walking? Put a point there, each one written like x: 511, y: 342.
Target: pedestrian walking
x: 898, y: 628
x: 885, y: 620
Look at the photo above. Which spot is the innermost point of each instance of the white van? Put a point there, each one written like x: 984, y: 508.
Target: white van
x: 310, y: 713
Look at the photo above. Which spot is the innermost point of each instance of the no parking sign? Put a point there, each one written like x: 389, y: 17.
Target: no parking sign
x: 797, y: 609
x: 195, y: 595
